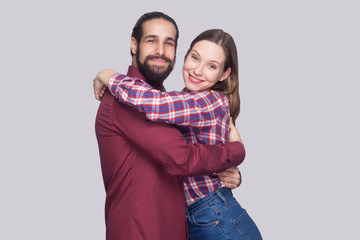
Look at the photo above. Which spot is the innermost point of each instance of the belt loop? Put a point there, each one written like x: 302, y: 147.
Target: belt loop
x: 188, y: 216
x: 220, y: 195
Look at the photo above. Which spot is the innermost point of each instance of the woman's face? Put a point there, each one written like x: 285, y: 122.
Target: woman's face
x: 204, y: 66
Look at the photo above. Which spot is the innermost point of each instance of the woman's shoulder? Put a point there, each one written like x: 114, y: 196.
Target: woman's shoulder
x: 207, y: 97
x: 222, y: 99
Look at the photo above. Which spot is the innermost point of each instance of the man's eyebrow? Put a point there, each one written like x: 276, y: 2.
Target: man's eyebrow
x: 170, y: 39
x: 156, y: 36
x: 151, y: 36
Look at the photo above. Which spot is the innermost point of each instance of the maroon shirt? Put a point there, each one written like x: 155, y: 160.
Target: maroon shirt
x: 142, y: 164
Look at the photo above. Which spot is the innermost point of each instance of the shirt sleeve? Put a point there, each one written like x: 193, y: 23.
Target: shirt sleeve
x: 167, y: 146
x: 195, y: 109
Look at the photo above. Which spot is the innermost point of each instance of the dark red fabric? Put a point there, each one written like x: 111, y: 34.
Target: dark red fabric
x: 142, y: 164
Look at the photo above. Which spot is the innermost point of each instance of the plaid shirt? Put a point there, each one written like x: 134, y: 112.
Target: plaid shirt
x: 201, y: 116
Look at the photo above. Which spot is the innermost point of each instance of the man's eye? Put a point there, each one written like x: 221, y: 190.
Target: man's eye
x: 151, y: 41
x: 169, y: 44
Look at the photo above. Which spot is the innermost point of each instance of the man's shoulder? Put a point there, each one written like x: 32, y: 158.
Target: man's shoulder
x: 114, y: 117
x: 111, y: 108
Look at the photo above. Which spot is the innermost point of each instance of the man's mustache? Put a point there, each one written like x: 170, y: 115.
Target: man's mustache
x: 159, y: 57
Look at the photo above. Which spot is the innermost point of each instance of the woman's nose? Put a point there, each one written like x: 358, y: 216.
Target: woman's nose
x: 198, y: 70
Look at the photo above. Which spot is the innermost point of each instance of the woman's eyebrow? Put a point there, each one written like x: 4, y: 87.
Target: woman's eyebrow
x: 193, y: 50
x: 197, y: 53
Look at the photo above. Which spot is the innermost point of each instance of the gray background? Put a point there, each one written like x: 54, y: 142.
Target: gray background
x: 299, y: 68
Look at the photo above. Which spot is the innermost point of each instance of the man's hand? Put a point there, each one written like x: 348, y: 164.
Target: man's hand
x: 101, y: 81
x: 231, y: 177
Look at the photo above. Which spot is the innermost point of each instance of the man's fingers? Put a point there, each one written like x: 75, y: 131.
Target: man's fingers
x: 229, y: 174
x: 231, y: 186
x: 230, y: 180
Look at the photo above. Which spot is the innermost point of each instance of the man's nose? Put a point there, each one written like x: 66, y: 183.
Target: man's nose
x: 159, y: 49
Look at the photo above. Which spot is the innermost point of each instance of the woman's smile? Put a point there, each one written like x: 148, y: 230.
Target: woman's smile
x: 194, y: 79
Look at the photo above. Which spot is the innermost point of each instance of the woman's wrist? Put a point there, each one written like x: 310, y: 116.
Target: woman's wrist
x: 105, y: 75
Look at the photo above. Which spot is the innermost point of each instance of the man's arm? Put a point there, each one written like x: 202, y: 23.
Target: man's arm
x: 166, y: 145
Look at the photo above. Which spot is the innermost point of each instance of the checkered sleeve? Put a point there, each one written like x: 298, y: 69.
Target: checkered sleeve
x: 195, y: 109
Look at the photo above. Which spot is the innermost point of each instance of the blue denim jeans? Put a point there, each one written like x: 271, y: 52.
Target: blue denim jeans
x: 220, y: 216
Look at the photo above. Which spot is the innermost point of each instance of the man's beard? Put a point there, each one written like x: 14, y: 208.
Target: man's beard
x: 154, y: 74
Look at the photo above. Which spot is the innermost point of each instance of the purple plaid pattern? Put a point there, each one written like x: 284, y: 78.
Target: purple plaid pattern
x: 201, y: 116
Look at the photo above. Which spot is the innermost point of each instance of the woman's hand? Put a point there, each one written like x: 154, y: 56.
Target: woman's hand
x: 101, y: 81
x: 234, y: 134
x: 231, y: 177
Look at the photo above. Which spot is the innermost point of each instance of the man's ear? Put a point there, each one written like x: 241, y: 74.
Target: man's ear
x: 225, y: 75
x: 134, y: 45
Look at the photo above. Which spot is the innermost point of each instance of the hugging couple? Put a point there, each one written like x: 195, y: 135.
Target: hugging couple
x: 169, y: 159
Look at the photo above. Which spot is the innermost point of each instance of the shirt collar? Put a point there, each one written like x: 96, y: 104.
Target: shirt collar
x: 135, y: 73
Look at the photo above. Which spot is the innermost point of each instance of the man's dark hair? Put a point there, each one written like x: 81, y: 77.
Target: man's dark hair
x: 138, y: 28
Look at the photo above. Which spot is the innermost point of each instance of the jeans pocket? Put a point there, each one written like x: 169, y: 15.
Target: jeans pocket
x: 204, y: 225
x: 205, y: 217
x: 247, y: 227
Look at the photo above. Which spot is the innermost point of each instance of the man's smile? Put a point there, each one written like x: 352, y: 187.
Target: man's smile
x: 158, y: 61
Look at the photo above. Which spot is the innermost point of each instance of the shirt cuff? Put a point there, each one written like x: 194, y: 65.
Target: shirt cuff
x: 112, y: 79
x: 114, y: 82
x: 236, y: 152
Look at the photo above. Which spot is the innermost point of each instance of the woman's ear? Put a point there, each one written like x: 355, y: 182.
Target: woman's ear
x: 134, y: 45
x: 225, y: 75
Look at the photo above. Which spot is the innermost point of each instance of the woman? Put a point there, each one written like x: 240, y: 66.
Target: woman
x: 203, y: 112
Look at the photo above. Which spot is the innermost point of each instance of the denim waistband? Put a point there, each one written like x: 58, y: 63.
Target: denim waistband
x: 221, y: 193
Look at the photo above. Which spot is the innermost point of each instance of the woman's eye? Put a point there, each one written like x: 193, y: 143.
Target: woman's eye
x: 194, y: 57
x: 212, y: 66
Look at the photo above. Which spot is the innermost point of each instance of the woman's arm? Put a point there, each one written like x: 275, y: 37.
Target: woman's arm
x: 195, y: 109
x: 231, y: 177
x: 100, y: 82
